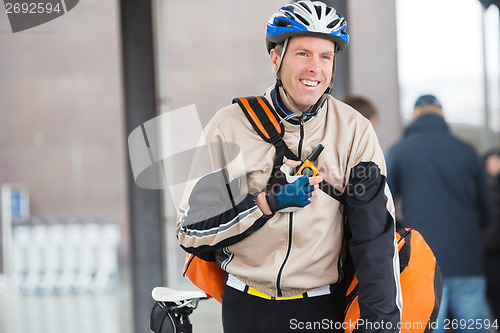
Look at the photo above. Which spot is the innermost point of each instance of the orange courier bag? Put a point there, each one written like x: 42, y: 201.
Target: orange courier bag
x: 421, y: 285
x: 206, y: 275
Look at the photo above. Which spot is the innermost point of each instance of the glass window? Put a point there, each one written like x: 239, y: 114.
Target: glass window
x: 441, y: 51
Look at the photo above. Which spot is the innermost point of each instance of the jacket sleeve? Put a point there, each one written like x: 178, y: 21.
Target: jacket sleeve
x: 393, y: 173
x: 373, y: 244
x: 216, y: 209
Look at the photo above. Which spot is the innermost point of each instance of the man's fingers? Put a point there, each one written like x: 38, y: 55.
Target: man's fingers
x: 313, y: 193
x: 292, y: 163
x: 316, y: 180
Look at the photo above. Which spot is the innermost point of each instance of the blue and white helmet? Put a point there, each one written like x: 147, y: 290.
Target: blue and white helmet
x: 307, y: 18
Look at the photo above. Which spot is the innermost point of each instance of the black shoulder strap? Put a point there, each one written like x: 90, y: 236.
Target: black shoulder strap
x: 405, y: 251
x: 332, y: 191
x: 262, y: 116
x: 266, y: 123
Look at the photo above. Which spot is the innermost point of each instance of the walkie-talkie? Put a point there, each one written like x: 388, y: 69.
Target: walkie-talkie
x: 307, y: 168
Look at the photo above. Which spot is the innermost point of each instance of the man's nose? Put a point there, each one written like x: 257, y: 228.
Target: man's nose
x: 313, y: 65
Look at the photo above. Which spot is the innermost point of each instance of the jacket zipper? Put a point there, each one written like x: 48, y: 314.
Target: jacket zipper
x: 301, y: 139
x: 290, y: 220
x: 278, y: 280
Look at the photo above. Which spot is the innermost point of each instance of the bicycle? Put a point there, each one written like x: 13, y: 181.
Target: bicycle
x: 170, y: 313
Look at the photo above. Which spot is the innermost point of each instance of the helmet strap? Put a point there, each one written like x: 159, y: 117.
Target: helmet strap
x: 285, y: 44
x: 288, y: 103
x: 294, y: 109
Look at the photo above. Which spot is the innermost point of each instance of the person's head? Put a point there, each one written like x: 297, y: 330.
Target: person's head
x: 363, y: 106
x: 492, y: 164
x: 302, y: 39
x: 426, y: 104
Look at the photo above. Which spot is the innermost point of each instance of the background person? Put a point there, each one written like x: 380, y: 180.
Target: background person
x: 492, y: 235
x: 444, y: 196
x: 363, y: 106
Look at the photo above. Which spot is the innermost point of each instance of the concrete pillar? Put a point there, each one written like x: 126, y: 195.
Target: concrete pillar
x: 373, y: 62
x: 342, y: 76
x: 145, y: 206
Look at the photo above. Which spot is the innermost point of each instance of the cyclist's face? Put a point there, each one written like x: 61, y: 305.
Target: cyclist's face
x: 306, y: 69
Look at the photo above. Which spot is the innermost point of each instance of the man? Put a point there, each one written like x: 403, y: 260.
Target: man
x: 280, y: 246
x: 442, y: 187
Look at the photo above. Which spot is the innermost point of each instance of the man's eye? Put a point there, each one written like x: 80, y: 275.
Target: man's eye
x: 302, y: 54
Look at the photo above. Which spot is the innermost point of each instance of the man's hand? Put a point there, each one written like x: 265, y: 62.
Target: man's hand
x: 294, y: 195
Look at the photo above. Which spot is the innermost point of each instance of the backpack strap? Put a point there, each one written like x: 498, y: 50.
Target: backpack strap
x: 332, y: 191
x: 267, y: 124
x: 262, y: 116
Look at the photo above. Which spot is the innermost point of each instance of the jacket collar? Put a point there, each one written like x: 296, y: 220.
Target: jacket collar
x: 428, y: 123
x: 279, y: 107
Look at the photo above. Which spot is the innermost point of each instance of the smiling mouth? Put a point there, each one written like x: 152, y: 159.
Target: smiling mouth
x: 309, y: 83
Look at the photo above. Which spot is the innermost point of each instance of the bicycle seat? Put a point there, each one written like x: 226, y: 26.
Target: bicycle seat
x: 165, y: 294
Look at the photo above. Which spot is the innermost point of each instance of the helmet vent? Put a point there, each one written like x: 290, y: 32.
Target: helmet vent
x: 318, y: 11
x: 282, y: 23
x: 305, y: 7
x: 303, y: 20
x: 332, y: 24
x: 328, y: 10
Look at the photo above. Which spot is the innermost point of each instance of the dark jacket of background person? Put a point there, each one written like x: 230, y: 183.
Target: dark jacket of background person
x: 445, y: 193
x: 492, y: 233
x: 492, y: 243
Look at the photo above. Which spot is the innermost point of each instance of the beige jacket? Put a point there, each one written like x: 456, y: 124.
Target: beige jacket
x: 288, y: 253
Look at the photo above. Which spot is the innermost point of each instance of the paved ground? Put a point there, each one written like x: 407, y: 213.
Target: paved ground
x: 105, y: 313
x: 207, y: 318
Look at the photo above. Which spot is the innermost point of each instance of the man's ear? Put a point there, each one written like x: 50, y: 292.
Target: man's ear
x: 275, y: 59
